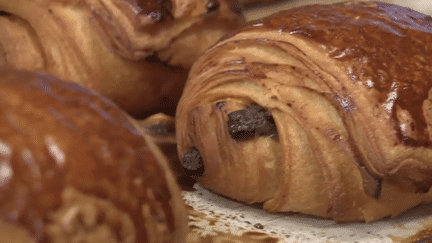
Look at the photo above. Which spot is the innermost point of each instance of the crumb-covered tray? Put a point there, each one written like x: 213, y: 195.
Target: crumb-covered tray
x: 217, y: 219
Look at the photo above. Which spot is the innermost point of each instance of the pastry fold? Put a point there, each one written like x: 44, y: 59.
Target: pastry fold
x: 322, y: 109
x: 136, y: 53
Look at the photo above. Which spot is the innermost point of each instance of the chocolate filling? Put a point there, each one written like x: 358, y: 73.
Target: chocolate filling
x: 253, y: 120
x: 212, y: 6
x: 193, y: 164
x: 161, y: 129
x: 157, y: 10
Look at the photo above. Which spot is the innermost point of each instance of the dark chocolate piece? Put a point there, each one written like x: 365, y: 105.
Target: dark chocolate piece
x: 253, y: 120
x: 193, y: 163
x: 158, y: 10
x: 161, y: 129
x: 212, y: 6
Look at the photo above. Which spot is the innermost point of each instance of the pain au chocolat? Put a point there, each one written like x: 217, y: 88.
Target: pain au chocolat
x: 74, y: 168
x: 323, y: 109
x: 160, y: 128
x: 135, y: 52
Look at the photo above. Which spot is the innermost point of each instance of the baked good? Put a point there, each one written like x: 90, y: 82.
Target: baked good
x: 160, y: 128
x: 322, y: 109
x: 137, y: 53
x: 74, y: 168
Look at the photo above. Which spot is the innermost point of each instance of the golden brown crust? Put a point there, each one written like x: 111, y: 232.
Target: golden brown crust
x: 119, y: 48
x: 346, y: 85
x: 59, y: 140
x: 380, y: 62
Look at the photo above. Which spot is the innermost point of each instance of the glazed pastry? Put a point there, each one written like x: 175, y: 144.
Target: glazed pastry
x: 323, y: 109
x: 135, y: 52
x: 160, y: 128
x: 74, y: 168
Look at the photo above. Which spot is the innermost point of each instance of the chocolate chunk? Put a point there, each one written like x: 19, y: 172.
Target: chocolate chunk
x: 186, y: 183
x: 253, y: 120
x: 212, y: 6
x: 193, y: 163
x: 161, y: 129
x: 157, y: 10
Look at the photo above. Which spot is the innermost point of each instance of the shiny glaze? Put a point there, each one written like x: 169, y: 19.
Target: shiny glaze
x: 315, y: 68
x: 371, y: 39
x: 156, y: 10
x: 55, y: 134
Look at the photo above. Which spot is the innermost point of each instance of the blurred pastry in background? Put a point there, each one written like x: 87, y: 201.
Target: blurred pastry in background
x: 137, y: 53
x: 74, y: 168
